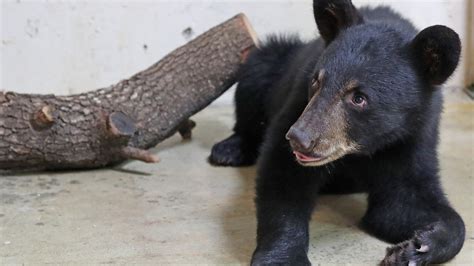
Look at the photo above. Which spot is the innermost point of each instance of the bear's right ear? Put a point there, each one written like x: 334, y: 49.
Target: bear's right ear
x: 436, y: 51
x: 332, y: 16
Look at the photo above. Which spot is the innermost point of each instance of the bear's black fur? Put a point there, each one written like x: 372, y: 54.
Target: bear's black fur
x: 355, y: 110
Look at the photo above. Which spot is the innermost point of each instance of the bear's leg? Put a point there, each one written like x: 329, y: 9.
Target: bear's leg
x: 418, y: 218
x: 283, y: 214
x: 285, y: 199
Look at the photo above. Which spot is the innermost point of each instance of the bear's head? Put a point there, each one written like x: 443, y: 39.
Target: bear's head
x: 372, y: 85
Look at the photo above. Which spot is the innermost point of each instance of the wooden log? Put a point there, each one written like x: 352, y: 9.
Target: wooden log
x: 106, y: 126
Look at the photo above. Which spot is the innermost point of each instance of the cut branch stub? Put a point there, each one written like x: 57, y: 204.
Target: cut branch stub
x: 119, y: 124
x: 106, y: 126
x: 43, y: 118
x: 185, y: 128
x: 139, y: 154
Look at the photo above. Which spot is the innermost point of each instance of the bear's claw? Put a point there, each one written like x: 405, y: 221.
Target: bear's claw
x: 415, y: 251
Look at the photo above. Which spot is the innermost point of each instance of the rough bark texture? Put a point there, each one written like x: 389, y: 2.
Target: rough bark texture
x: 109, y: 125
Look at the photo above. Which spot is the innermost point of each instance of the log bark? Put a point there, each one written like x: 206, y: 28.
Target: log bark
x: 110, y: 125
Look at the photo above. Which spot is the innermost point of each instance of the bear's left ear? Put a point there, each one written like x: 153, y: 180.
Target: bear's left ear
x: 332, y: 16
x: 436, y: 50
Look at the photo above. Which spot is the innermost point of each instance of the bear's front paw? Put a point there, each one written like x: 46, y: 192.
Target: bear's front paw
x: 415, y: 251
x: 232, y: 152
x: 409, y: 252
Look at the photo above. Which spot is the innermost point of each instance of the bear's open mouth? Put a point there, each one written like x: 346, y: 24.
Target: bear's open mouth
x: 316, y: 159
x: 303, y: 158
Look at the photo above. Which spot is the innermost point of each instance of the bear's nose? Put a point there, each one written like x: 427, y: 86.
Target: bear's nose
x: 300, y: 140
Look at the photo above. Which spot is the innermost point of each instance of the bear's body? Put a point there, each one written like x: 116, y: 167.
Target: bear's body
x: 355, y: 110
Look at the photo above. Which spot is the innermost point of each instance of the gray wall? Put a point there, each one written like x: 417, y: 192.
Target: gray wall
x: 67, y: 47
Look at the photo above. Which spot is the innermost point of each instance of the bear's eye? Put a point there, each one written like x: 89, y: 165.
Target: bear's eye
x: 359, y: 99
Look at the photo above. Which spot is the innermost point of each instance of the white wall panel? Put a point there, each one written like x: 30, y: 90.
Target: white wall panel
x: 67, y: 47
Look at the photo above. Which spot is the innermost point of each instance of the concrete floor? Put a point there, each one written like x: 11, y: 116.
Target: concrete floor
x: 184, y: 211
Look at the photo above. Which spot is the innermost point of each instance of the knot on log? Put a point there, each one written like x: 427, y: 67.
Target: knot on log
x: 43, y: 118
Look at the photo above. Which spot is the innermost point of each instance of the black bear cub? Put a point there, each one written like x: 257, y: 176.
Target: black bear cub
x: 355, y: 110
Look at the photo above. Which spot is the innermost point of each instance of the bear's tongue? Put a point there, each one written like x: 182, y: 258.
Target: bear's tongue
x: 305, y: 158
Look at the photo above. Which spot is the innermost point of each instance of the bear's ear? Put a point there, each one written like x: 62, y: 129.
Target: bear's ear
x: 332, y: 16
x: 436, y: 50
